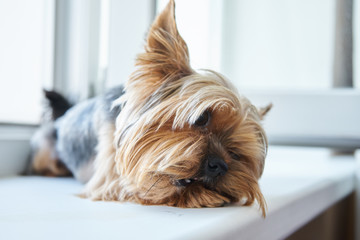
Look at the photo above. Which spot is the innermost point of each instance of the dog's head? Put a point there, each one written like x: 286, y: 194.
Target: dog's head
x: 183, y: 138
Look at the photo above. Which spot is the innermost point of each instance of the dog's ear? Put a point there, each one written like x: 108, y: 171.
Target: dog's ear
x: 264, y: 110
x: 166, y: 54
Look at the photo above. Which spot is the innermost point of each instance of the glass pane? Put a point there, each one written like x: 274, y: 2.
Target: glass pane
x: 261, y: 44
x: 24, y: 61
x: 282, y: 44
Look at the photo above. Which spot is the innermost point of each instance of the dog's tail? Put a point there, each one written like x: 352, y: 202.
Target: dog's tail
x: 58, y: 104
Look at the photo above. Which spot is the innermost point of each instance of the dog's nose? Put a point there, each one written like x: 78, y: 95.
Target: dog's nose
x: 215, y: 166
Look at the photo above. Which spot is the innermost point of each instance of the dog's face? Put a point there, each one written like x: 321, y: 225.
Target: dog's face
x: 182, y: 138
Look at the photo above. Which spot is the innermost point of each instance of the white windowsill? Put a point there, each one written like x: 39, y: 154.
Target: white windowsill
x: 298, y: 183
x: 14, y: 147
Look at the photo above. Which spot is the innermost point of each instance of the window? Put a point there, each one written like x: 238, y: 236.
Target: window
x: 281, y: 52
x: 264, y: 44
x: 278, y: 51
x: 126, y: 40
x: 26, y: 45
x: 95, y: 44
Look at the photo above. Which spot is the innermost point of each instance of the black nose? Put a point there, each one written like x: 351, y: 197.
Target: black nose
x: 215, y: 166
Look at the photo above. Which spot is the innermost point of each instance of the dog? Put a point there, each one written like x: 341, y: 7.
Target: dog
x: 172, y: 136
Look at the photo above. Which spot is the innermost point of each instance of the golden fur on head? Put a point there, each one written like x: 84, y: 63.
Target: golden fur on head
x: 157, y: 141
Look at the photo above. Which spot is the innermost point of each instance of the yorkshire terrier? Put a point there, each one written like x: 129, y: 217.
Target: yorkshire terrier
x: 171, y: 136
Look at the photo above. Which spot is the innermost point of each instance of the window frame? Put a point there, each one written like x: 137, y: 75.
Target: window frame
x: 77, y: 44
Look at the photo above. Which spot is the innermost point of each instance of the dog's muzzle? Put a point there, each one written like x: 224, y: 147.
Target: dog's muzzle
x: 213, y: 167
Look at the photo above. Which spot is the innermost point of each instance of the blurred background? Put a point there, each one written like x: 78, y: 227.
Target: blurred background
x: 302, y: 56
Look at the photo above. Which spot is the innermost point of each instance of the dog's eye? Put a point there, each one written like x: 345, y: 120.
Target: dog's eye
x: 234, y: 156
x: 203, y: 120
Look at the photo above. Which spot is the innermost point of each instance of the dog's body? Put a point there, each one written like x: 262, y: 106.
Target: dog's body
x: 172, y: 136
x: 77, y: 132
x: 73, y: 135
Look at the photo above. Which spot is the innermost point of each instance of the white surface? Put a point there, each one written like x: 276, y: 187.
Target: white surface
x: 298, y: 184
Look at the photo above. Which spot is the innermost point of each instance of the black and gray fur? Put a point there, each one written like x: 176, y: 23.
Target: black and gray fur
x: 74, y: 133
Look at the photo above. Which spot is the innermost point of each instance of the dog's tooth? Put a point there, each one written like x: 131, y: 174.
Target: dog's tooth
x: 187, y: 180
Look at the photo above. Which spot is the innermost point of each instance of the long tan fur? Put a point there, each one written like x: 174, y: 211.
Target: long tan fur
x: 154, y: 141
